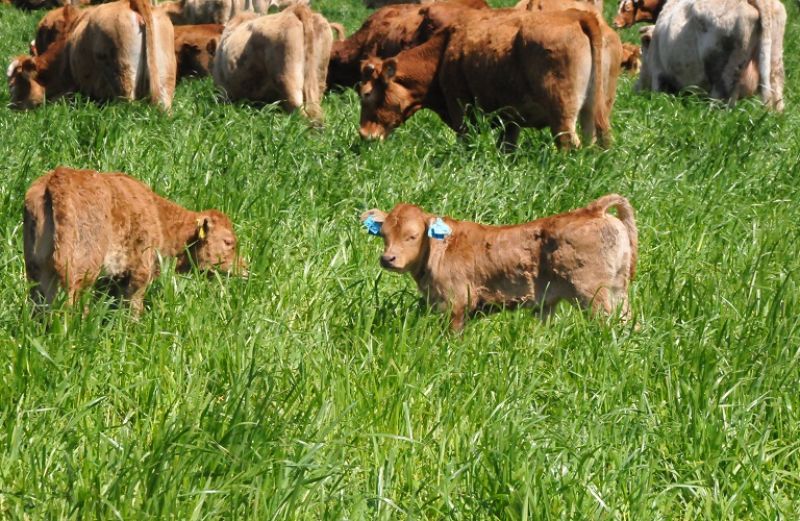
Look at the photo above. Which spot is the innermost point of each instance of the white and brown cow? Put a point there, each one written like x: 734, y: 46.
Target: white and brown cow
x: 81, y: 225
x: 729, y: 48
x: 280, y: 57
x: 585, y: 256
x: 122, y: 49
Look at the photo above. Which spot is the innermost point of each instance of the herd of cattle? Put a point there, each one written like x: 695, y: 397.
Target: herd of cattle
x: 542, y: 64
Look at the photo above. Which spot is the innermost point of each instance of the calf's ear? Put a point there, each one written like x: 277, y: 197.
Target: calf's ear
x: 377, y: 215
x: 203, y: 226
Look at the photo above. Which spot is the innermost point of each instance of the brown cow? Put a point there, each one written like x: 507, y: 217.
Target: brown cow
x: 634, y: 11
x: 80, y: 225
x: 101, y: 56
x: 546, y: 63
x: 557, y: 5
x: 195, y: 46
x: 54, y: 25
x: 385, y: 33
x: 474, y: 4
x: 278, y: 57
x: 585, y: 256
x: 631, y: 57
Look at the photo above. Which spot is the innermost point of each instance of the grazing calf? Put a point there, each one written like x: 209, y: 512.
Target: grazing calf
x: 117, y: 50
x: 195, y: 46
x: 585, y: 256
x: 278, y: 57
x: 80, y: 225
x: 546, y: 62
x: 720, y: 46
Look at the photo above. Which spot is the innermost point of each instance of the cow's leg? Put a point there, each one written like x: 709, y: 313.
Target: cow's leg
x: 587, y: 121
x: 565, y: 133
x: 138, y: 281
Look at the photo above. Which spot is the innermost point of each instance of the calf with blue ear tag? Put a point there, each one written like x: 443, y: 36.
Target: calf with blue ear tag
x: 586, y: 257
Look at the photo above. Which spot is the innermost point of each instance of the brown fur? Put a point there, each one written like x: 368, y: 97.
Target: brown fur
x: 94, y: 57
x: 632, y: 12
x: 474, y: 4
x: 384, y: 34
x: 631, y: 57
x: 558, y: 5
x: 54, y: 25
x: 548, y: 63
x: 585, y: 256
x: 258, y: 59
x: 80, y: 225
x: 195, y: 46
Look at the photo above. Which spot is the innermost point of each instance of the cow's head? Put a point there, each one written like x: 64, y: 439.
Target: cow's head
x: 386, y: 101
x: 405, y: 236
x: 634, y: 11
x: 213, y: 245
x: 23, y: 86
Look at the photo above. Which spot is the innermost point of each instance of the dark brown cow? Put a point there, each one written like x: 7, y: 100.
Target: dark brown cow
x: 385, y: 33
x: 546, y: 63
x: 195, y: 46
x: 586, y: 256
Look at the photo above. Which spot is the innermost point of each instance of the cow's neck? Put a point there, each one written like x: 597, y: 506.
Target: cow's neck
x: 52, y: 69
x: 178, y: 228
x: 418, y: 67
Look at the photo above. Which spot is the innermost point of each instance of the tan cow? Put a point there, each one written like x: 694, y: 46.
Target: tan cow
x: 81, y: 225
x: 585, y: 256
x: 546, y: 63
x: 54, y: 25
x: 195, y: 46
x: 117, y: 50
x: 558, y: 5
x: 279, y: 57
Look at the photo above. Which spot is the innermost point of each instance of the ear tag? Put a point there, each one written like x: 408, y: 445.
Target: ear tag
x: 201, y: 230
x: 373, y: 227
x: 439, y: 230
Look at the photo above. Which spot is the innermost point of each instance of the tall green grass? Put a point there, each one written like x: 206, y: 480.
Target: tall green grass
x: 319, y: 389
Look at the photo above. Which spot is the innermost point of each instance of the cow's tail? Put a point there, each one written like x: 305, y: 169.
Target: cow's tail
x: 311, y: 102
x: 764, y: 50
x: 624, y: 214
x: 158, y: 92
x: 590, y: 24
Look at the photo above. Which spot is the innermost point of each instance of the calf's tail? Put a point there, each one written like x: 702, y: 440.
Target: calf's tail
x: 158, y: 92
x: 624, y: 214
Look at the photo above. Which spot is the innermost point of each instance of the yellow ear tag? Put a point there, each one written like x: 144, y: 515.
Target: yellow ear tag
x: 201, y: 230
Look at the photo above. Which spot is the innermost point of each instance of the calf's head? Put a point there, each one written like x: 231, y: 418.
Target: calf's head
x: 386, y: 100
x: 214, y: 244
x: 634, y: 11
x: 405, y: 236
x: 23, y: 86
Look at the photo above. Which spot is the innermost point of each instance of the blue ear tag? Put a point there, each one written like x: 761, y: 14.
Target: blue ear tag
x: 373, y: 227
x: 439, y: 230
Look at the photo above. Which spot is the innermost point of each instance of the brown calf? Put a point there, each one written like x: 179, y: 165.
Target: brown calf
x: 634, y: 11
x: 80, y: 225
x: 631, y: 57
x: 585, y: 256
x: 548, y: 65
x: 195, y: 46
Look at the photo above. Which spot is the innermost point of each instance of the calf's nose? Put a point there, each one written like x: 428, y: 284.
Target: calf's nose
x: 387, y: 261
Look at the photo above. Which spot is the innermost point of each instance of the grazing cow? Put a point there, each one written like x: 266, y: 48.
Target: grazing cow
x: 53, y: 25
x: 634, y: 11
x: 585, y: 256
x: 385, y: 33
x: 195, y: 46
x: 631, y: 57
x: 722, y: 46
x: 546, y: 62
x: 278, y: 57
x: 81, y: 225
x: 117, y: 50
x: 558, y: 5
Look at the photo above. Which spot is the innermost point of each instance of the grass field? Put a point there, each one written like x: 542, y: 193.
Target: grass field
x: 319, y: 389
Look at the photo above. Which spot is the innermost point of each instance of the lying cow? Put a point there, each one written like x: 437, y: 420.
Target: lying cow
x: 80, y: 225
x: 100, y: 56
x: 195, y: 46
x: 546, y: 63
x: 725, y: 47
x: 585, y: 256
x: 279, y: 57
x: 385, y: 33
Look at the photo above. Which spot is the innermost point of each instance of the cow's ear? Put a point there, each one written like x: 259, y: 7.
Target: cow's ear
x: 373, y: 220
x: 28, y: 69
x: 203, y: 226
x: 389, y: 69
x: 211, y: 47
